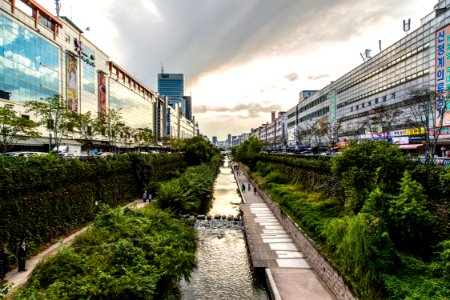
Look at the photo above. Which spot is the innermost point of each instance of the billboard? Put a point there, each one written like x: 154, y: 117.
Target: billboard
x: 442, y: 75
x: 72, y: 82
x: 101, y: 96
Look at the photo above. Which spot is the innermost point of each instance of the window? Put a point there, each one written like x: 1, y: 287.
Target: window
x: 384, y: 98
x: 393, y: 95
x: 362, y: 105
x: 369, y: 103
x: 376, y: 100
x: 357, y: 107
x: 351, y: 108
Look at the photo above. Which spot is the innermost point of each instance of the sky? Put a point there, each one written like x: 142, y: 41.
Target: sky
x: 241, y: 59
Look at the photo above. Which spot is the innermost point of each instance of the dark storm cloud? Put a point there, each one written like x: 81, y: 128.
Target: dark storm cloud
x: 292, y: 76
x: 317, y: 77
x: 197, y: 36
x: 253, y: 109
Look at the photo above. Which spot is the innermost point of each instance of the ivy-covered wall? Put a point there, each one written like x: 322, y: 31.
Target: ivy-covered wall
x: 42, y: 198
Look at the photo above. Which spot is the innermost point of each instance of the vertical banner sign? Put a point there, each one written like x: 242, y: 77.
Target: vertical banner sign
x: 442, y: 78
x: 72, y: 82
x: 101, y: 96
x: 333, y: 107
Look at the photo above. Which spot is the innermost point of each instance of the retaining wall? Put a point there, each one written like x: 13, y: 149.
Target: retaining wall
x: 307, y: 246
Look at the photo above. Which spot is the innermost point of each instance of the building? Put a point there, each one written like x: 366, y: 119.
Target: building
x: 43, y: 55
x: 188, y: 102
x: 418, y: 60
x: 172, y: 86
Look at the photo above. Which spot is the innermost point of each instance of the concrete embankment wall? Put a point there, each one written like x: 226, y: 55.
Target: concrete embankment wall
x: 324, y: 270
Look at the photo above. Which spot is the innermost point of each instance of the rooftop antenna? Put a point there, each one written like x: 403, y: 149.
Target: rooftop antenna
x: 58, y: 7
x: 162, y: 68
x: 406, y: 25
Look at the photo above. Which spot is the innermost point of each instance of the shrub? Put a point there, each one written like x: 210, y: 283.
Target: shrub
x: 127, y: 254
x: 409, y: 218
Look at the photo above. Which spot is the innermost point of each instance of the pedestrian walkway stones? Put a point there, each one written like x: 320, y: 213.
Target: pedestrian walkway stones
x: 288, y: 273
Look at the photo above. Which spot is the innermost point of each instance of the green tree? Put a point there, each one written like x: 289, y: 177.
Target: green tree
x: 146, y: 138
x: 14, y: 128
x: 54, y: 113
x: 410, y: 218
x: 366, y: 165
x: 111, y: 126
x: 86, y: 126
x: 249, y: 148
x: 197, y: 150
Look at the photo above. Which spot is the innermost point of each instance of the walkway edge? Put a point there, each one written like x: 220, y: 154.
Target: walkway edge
x: 272, y: 286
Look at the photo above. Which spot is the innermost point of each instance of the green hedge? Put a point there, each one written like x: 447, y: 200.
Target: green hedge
x: 42, y: 198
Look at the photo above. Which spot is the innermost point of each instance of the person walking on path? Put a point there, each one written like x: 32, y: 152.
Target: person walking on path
x: 249, y: 187
x: 144, y: 196
x: 254, y: 189
x: 243, y: 187
x: 22, y: 253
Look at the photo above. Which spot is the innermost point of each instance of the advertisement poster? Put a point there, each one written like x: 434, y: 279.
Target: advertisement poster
x: 101, y: 95
x: 72, y: 82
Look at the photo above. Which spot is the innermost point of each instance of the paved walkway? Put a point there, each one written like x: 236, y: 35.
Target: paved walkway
x: 287, y: 270
x: 19, y: 279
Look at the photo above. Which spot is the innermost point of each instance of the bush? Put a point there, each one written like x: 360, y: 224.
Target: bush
x: 126, y: 254
x: 410, y: 219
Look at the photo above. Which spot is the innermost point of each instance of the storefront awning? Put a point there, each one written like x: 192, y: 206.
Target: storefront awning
x: 410, y: 146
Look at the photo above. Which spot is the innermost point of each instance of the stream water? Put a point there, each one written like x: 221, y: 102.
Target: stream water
x: 224, y: 269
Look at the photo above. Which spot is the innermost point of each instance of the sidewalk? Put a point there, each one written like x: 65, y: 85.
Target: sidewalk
x: 19, y: 279
x: 288, y: 273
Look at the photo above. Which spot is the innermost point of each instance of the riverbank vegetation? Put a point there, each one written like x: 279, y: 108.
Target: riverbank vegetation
x: 125, y: 254
x: 381, y: 219
x: 45, y: 197
x: 64, y: 195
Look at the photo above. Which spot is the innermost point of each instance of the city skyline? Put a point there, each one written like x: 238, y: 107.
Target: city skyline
x: 242, y: 61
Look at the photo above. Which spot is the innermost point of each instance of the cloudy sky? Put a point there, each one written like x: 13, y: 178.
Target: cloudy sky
x: 242, y: 59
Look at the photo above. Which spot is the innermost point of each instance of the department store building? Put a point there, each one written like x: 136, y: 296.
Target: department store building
x: 419, y: 60
x: 42, y: 55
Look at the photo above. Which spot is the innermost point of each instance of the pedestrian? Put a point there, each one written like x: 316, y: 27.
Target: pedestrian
x: 254, y: 189
x: 21, y: 256
x: 144, y: 196
x: 150, y: 197
x: 243, y: 187
x: 3, y: 262
x: 249, y: 187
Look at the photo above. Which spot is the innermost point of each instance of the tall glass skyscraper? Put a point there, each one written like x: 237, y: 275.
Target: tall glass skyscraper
x: 172, y: 86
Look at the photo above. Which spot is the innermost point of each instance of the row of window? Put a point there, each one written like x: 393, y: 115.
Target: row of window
x: 385, y: 67
x: 311, y: 104
x: 136, y: 111
x: 317, y: 113
x: 369, y: 112
x: 375, y: 102
x: 385, y: 87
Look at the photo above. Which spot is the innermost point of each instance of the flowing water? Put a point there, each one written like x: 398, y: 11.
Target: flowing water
x: 224, y: 269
